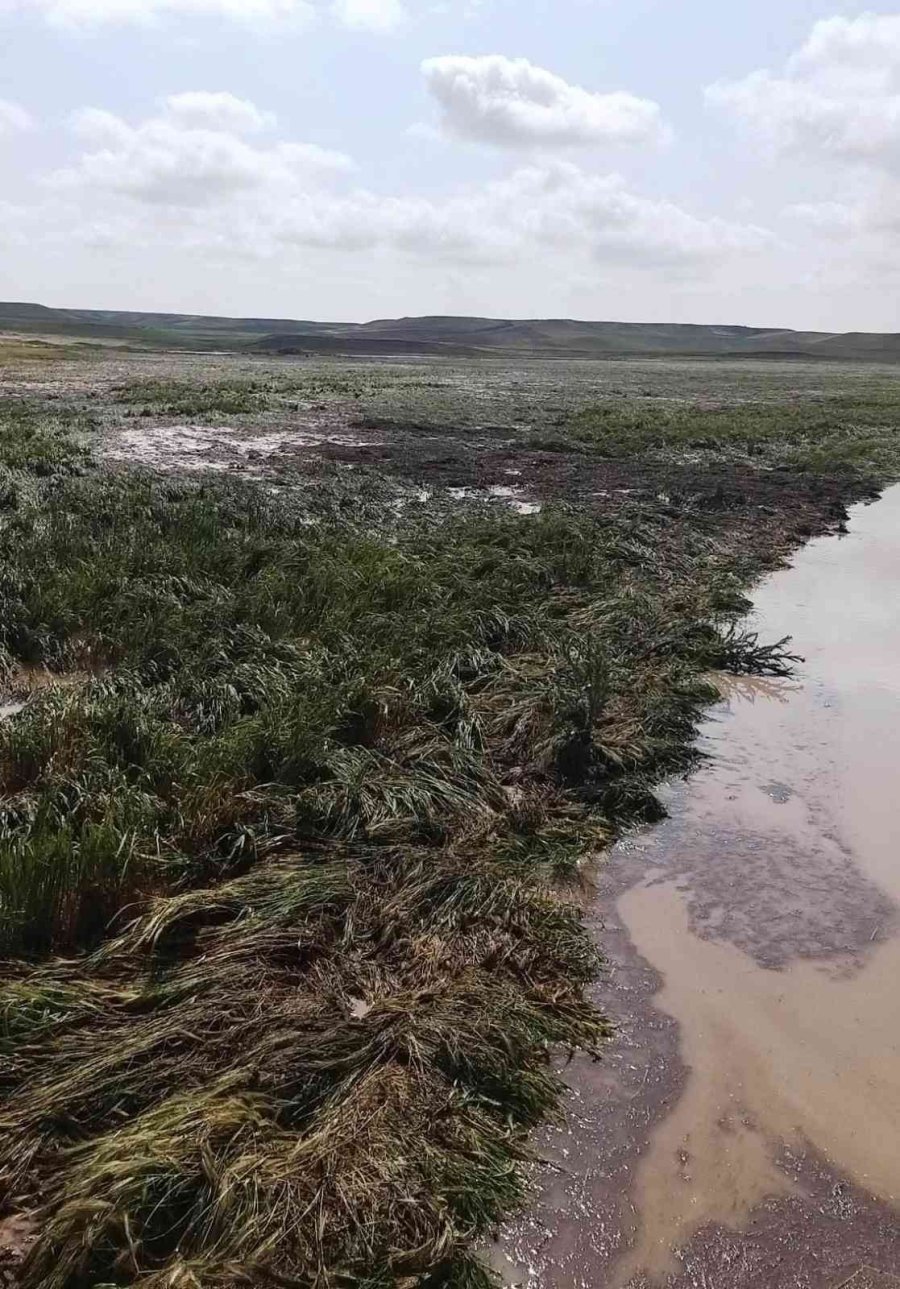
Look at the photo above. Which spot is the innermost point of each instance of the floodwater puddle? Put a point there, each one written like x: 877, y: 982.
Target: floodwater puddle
x: 745, y: 1130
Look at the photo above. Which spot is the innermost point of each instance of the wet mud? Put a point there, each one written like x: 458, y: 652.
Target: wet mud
x: 762, y: 511
x: 17, y: 1235
x: 491, y: 456
x: 744, y: 1130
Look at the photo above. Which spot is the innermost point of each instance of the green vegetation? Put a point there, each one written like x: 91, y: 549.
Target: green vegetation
x: 186, y: 398
x: 13, y: 350
x: 38, y: 441
x: 430, y: 336
x: 293, y: 826
x: 818, y: 434
x: 246, y: 396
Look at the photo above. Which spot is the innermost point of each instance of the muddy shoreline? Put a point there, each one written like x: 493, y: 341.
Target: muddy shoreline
x: 585, y: 1220
x: 757, y: 875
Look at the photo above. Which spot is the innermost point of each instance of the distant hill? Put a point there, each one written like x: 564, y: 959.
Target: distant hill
x: 448, y: 336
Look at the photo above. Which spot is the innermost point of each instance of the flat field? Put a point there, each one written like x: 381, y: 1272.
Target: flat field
x: 323, y: 687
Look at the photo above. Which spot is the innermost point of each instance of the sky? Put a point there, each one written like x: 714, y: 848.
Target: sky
x: 342, y: 160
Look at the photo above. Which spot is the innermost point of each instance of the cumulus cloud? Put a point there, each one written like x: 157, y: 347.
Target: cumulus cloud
x: 511, y: 103
x: 196, y: 175
x: 201, y: 109
x: 836, y: 105
x: 13, y: 118
x: 559, y: 209
x: 870, y: 216
x: 370, y: 15
x: 194, y: 153
x: 838, y: 96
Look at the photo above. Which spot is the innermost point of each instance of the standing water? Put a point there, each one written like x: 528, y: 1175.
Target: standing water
x: 745, y: 1128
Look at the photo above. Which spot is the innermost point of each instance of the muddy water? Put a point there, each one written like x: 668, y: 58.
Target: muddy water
x: 746, y: 1129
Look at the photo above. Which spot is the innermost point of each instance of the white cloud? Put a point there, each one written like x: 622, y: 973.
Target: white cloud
x: 855, y: 242
x: 836, y: 106
x: 370, y: 15
x: 511, y: 103
x: 193, y: 154
x: 13, y: 118
x: 201, y: 109
x: 99, y: 128
x: 175, y: 181
x: 872, y: 215
x: 551, y: 210
x: 861, y: 50
x: 838, y: 97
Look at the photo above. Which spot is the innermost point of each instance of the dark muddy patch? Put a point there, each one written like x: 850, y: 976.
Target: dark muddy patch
x: 775, y: 900
x: 780, y: 793
x: 763, y: 501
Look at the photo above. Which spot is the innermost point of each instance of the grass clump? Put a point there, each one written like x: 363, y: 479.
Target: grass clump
x: 38, y: 442
x: 826, y: 433
x: 288, y: 950
x: 270, y: 678
x: 194, y: 398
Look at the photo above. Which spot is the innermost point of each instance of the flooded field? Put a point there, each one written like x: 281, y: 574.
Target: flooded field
x: 750, y: 1114
x: 321, y: 684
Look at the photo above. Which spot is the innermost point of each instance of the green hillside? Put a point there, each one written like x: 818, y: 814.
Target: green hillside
x: 454, y: 337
